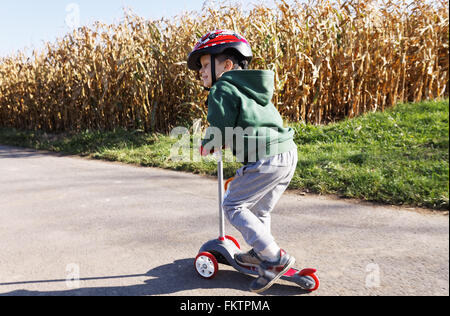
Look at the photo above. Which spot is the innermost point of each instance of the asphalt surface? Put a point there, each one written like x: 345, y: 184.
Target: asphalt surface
x: 73, y: 226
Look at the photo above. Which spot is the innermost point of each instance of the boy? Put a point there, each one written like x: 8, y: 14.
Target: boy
x: 242, y: 117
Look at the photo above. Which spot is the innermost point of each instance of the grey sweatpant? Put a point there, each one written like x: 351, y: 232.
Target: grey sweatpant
x: 253, y: 194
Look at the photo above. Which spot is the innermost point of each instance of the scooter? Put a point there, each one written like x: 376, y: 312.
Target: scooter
x: 224, y: 249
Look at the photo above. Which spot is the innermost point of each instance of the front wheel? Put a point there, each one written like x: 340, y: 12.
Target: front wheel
x: 206, y: 265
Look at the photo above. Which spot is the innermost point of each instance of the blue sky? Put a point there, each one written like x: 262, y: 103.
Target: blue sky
x: 29, y: 23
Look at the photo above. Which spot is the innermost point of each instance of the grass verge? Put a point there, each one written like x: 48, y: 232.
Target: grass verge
x: 400, y: 156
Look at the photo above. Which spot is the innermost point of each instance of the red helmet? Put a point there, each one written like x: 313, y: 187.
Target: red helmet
x: 215, y: 43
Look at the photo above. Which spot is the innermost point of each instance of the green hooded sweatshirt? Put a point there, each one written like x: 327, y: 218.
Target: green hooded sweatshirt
x: 243, y: 118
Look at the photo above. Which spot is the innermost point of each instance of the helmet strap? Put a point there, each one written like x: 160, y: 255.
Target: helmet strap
x: 213, y: 70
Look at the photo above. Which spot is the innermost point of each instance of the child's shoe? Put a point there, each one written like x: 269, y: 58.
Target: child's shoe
x: 249, y: 259
x: 270, y: 272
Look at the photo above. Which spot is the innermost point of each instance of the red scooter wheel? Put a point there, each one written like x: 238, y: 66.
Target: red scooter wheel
x: 206, y: 265
x: 311, y: 273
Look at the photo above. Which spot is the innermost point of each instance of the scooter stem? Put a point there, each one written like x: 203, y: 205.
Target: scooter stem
x: 221, y: 194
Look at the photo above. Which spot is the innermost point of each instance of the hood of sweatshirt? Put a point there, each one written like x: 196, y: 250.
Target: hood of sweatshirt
x: 256, y: 84
x: 243, y: 99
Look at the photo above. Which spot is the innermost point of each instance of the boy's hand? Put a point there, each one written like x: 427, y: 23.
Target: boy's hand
x: 205, y: 152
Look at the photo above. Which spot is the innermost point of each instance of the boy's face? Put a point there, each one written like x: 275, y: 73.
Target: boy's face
x: 205, y: 71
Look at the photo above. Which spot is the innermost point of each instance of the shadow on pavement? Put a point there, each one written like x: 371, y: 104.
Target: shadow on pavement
x: 19, y: 152
x: 168, y: 279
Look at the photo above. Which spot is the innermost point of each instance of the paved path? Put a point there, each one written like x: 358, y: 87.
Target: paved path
x: 128, y: 230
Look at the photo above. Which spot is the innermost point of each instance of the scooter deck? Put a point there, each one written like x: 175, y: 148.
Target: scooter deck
x: 293, y: 275
x: 225, y: 250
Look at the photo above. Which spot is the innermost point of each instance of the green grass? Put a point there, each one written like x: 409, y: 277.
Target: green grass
x: 400, y: 156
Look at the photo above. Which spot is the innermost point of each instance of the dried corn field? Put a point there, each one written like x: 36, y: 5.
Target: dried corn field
x: 332, y: 59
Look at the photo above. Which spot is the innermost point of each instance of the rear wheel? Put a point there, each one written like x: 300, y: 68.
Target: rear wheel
x: 311, y: 275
